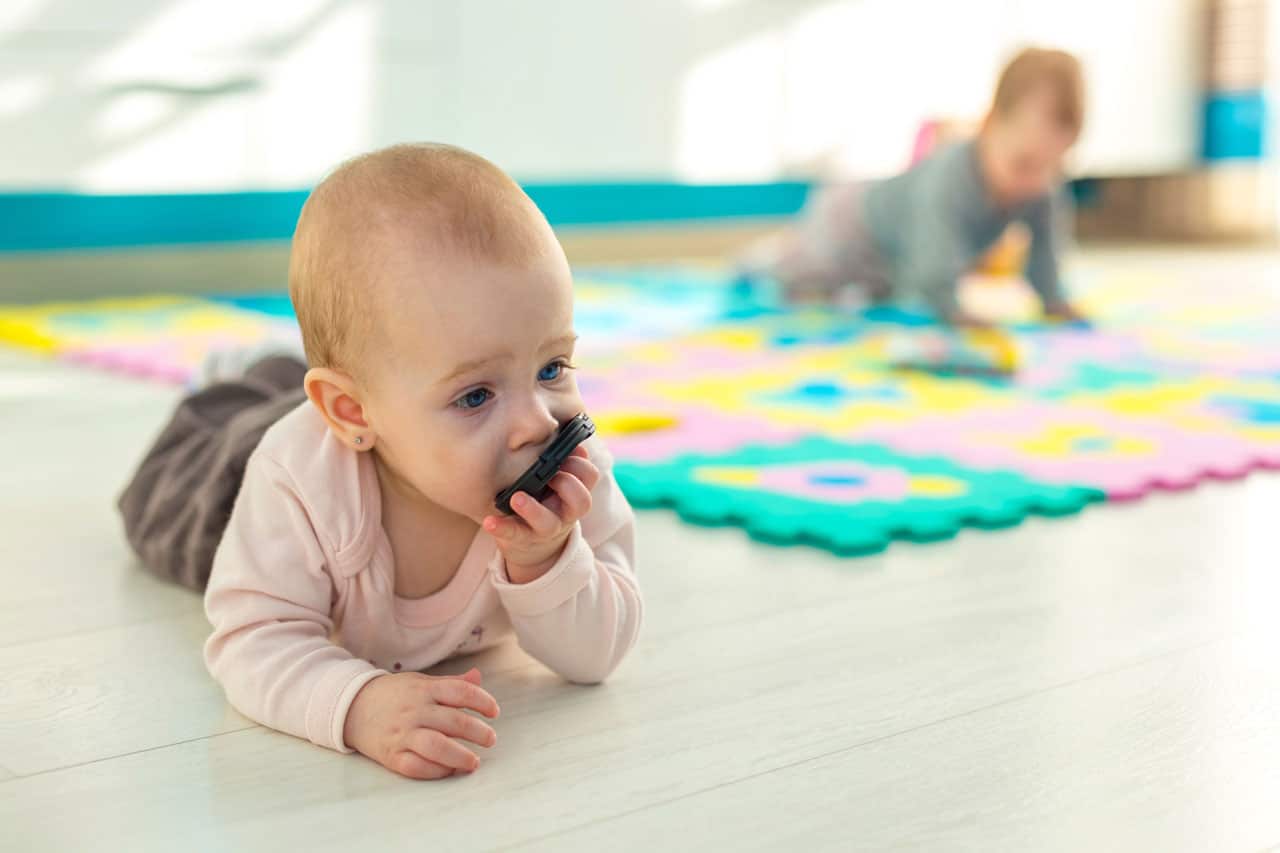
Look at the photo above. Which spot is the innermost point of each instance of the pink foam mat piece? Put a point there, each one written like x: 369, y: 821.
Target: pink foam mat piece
x: 705, y: 432
x: 1124, y: 456
x: 146, y: 362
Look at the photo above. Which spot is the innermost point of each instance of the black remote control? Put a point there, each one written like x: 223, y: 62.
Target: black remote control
x: 533, y: 482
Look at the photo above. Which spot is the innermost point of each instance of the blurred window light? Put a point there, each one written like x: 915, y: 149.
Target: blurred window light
x: 316, y: 108
x: 21, y: 93
x: 731, y: 113
x: 17, y: 14
x: 131, y: 112
x: 837, y: 89
x: 195, y: 40
x: 706, y: 6
x: 246, y: 98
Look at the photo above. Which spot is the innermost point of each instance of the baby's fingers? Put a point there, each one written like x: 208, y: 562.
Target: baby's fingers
x: 584, y: 469
x: 502, y: 526
x: 409, y: 763
x: 574, y: 497
x: 461, y: 725
x: 438, y: 747
x: 541, y: 520
x: 456, y: 693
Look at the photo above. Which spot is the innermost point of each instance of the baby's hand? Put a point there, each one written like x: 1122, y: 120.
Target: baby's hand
x: 408, y: 722
x: 961, y: 318
x: 532, y: 541
x: 1065, y: 312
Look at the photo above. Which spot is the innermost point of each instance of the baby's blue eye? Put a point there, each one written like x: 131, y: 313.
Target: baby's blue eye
x: 473, y: 399
x: 551, y: 372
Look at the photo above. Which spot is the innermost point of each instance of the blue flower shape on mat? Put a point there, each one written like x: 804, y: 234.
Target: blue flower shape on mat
x: 1248, y: 409
x: 837, y: 480
x: 1093, y: 444
x: 833, y: 394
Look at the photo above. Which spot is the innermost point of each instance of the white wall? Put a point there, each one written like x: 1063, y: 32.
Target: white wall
x: 135, y: 95
x: 859, y: 77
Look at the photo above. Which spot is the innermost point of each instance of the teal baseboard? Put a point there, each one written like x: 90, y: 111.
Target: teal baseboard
x: 51, y: 221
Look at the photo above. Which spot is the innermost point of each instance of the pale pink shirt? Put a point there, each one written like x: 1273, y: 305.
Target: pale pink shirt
x: 302, y: 596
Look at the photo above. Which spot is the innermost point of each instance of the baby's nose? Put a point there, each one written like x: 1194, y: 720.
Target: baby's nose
x: 535, y: 429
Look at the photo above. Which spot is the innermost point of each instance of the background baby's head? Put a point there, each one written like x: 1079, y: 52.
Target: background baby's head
x: 1036, y: 116
x: 437, y: 314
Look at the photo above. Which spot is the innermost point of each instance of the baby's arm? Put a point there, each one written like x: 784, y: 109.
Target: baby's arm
x: 583, y: 614
x: 935, y: 255
x: 1042, y: 260
x: 269, y: 600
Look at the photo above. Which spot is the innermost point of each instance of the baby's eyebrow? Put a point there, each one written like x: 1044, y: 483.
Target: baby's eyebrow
x: 474, y: 364
x: 467, y: 367
x: 563, y: 340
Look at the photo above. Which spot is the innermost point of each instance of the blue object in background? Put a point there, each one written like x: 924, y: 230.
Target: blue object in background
x: 273, y: 304
x: 1235, y: 125
x: 1264, y: 412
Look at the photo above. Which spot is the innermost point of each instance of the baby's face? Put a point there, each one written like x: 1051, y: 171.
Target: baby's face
x: 474, y: 373
x: 1026, y: 151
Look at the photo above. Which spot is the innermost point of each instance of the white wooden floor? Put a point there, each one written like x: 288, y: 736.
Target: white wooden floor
x: 1110, y: 681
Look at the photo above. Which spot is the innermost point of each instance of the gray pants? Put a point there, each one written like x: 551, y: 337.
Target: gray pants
x: 177, y: 505
x: 828, y: 248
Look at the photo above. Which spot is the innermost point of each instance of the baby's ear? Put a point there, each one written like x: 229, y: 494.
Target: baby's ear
x: 335, y: 395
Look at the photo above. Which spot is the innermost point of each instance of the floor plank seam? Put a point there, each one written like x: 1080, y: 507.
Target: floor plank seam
x: 21, y: 776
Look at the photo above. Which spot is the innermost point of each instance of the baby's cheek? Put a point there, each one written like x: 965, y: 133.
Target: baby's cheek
x: 476, y: 485
x: 445, y: 475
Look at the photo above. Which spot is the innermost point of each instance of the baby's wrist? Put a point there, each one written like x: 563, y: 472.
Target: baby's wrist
x: 528, y: 571
x: 353, y: 728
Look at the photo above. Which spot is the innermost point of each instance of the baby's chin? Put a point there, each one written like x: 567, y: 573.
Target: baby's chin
x: 487, y: 505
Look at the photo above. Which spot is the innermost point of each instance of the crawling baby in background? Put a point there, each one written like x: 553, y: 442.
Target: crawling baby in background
x: 436, y: 310
x: 912, y: 237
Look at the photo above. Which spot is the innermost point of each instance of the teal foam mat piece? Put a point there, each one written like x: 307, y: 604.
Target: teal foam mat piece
x: 849, y: 498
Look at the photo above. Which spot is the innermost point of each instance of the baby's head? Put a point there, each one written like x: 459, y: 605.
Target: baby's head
x: 436, y: 310
x: 1035, y: 118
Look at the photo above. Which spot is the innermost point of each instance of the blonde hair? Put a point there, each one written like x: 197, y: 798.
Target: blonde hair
x: 1036, y: 68
x: 457, y: 200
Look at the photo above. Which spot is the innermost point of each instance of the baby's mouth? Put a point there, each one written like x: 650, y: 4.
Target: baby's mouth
x: 514, y: 468
x: 521, y: 461
x: 536, y: 478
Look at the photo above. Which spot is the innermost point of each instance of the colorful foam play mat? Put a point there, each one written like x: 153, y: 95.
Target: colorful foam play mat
x: 842, y: 429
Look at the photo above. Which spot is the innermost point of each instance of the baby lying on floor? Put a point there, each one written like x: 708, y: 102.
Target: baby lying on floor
x: 436, y: 310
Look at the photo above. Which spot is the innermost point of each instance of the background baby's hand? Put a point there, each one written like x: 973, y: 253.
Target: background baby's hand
x: 411, y: 723
x: 1065, y: 312
x: 961, y: 318
x: 532, y: 540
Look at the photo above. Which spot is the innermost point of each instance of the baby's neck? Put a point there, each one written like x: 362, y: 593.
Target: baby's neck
x: 428, y: 542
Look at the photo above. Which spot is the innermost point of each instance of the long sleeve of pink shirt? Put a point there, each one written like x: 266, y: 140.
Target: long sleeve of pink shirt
x: 302, y: 594
x: 582, y: 616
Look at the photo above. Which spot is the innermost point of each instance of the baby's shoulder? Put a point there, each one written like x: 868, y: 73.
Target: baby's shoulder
x: 299, y: 455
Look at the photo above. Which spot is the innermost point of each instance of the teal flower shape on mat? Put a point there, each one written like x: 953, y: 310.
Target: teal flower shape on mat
x: 848, y: 498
